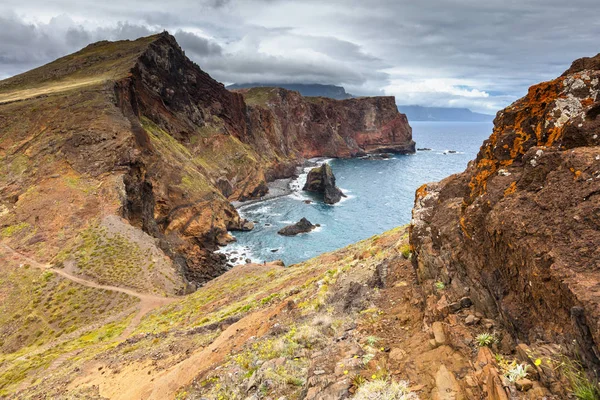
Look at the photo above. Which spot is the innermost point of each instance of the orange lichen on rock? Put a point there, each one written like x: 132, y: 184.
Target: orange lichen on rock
x: 511, y: 189
x: 463, y: 227
x: 421, y: 191
x: 516, y: 127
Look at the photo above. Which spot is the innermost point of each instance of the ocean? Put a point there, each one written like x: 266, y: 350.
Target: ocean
x: 380, y: 196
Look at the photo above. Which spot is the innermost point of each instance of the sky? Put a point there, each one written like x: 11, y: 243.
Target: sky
x: 478, y: 54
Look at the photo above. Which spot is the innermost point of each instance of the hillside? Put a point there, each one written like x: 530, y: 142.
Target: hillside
x: 305, y: 89
x: 131, y: 135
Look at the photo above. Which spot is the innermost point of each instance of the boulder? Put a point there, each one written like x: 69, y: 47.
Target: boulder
x: 438, y: 333
x: 322, y: 180
x: 301, y: 226
x: 242, y: 225
x: 524, y: 384
x: 446, y: 386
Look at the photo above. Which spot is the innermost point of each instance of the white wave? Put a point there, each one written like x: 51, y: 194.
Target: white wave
x: 243, y: 253
x: 344, y: 199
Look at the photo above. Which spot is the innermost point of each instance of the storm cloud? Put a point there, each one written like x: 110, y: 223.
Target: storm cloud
x: 467, y: 53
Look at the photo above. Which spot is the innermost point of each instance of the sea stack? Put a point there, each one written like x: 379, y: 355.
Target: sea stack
x: 302, y: 226
x: 322, y: 180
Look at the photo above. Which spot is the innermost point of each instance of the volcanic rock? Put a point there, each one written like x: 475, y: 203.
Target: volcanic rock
x: 520, y: 227
x: 322, y: 180
x: 140, y: 129
x: 301, y: 226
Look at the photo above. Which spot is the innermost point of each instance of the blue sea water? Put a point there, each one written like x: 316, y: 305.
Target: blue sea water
x: 380, y: 196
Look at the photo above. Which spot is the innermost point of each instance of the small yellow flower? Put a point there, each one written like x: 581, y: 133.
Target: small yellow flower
x: 538, y: 362
x: 383, y: 349
x: 373, y: 376
x: 346, y: 372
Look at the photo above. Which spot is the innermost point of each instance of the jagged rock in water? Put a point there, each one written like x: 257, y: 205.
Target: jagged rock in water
x: 301, y: 226
x: 519, y: 230
x: 321, y: 180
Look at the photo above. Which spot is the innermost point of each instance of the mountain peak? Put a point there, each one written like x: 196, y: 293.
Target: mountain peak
x: 96, y: 63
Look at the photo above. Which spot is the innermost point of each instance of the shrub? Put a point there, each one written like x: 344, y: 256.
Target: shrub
x: 372, y: 340
x: 485, y: 339
x: 405, y: 250
x: 516, y: 372
x: 582, y: 387
x: 380, y: 389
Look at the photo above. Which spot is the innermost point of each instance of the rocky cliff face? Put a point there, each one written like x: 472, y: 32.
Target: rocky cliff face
x: 519, y: 230
x: 136, y: 129
x: 297, y: 126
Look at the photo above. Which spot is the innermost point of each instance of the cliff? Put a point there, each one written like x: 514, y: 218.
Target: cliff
x: 518, y: 230
x: 135, y: 129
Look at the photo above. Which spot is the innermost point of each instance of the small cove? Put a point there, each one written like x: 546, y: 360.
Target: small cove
x: 380, y: 196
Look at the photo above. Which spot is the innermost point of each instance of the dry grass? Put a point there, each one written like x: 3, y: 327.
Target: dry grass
x: 48, y: 89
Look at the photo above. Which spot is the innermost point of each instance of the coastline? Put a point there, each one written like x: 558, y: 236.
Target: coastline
x: 277, y: 188
x: 282, y: 187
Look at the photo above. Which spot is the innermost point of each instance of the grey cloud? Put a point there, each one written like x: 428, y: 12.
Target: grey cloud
x: 493, y: 47
x: 198, y: 46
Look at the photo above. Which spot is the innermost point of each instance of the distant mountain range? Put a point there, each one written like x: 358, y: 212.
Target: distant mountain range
x: 309, y: 90
x: 420, y: 113
x: 413, y: 112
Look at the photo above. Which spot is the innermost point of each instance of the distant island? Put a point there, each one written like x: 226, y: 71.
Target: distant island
x: 309, y: 90
x: 420, y: 113
x: 413, y: 112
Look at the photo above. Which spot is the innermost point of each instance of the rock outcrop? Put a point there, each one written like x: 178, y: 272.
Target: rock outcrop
x: 321, y: 180
x: 136, y: 129
x: 282, y: 121
x: 302, y: 226
x: 519, y: 229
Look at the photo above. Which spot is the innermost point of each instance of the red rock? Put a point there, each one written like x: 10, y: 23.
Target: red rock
x: 521, y: 225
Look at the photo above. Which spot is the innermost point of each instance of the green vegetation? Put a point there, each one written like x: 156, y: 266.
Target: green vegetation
x: 405, y: 250
x: 259, y: 96
x: 372, y: 340
x: 95, y: 63
x: 45, y: 307
x: 384, y: 388
x: 13, y: 230
x: 279, y: 360
x: 94, y: 342
x: 582, y: 387
x: 485, y: 339
x: 516, y: 372
x: 440, y: 285
x: 109, y: 258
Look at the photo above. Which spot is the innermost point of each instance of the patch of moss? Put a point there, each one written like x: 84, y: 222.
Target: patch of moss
x: 110, y: 258
x: 13, y: 230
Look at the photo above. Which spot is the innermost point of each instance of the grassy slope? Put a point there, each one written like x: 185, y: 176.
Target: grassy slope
x: 179, y: 330
x: 43, y: 315
x: 92, y: 65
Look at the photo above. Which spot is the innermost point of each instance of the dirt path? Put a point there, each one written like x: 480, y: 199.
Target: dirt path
x: 142, y: 381
x: 147, y: 302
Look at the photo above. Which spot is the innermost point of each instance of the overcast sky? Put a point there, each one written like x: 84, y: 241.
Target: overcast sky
x: 480, y: 54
